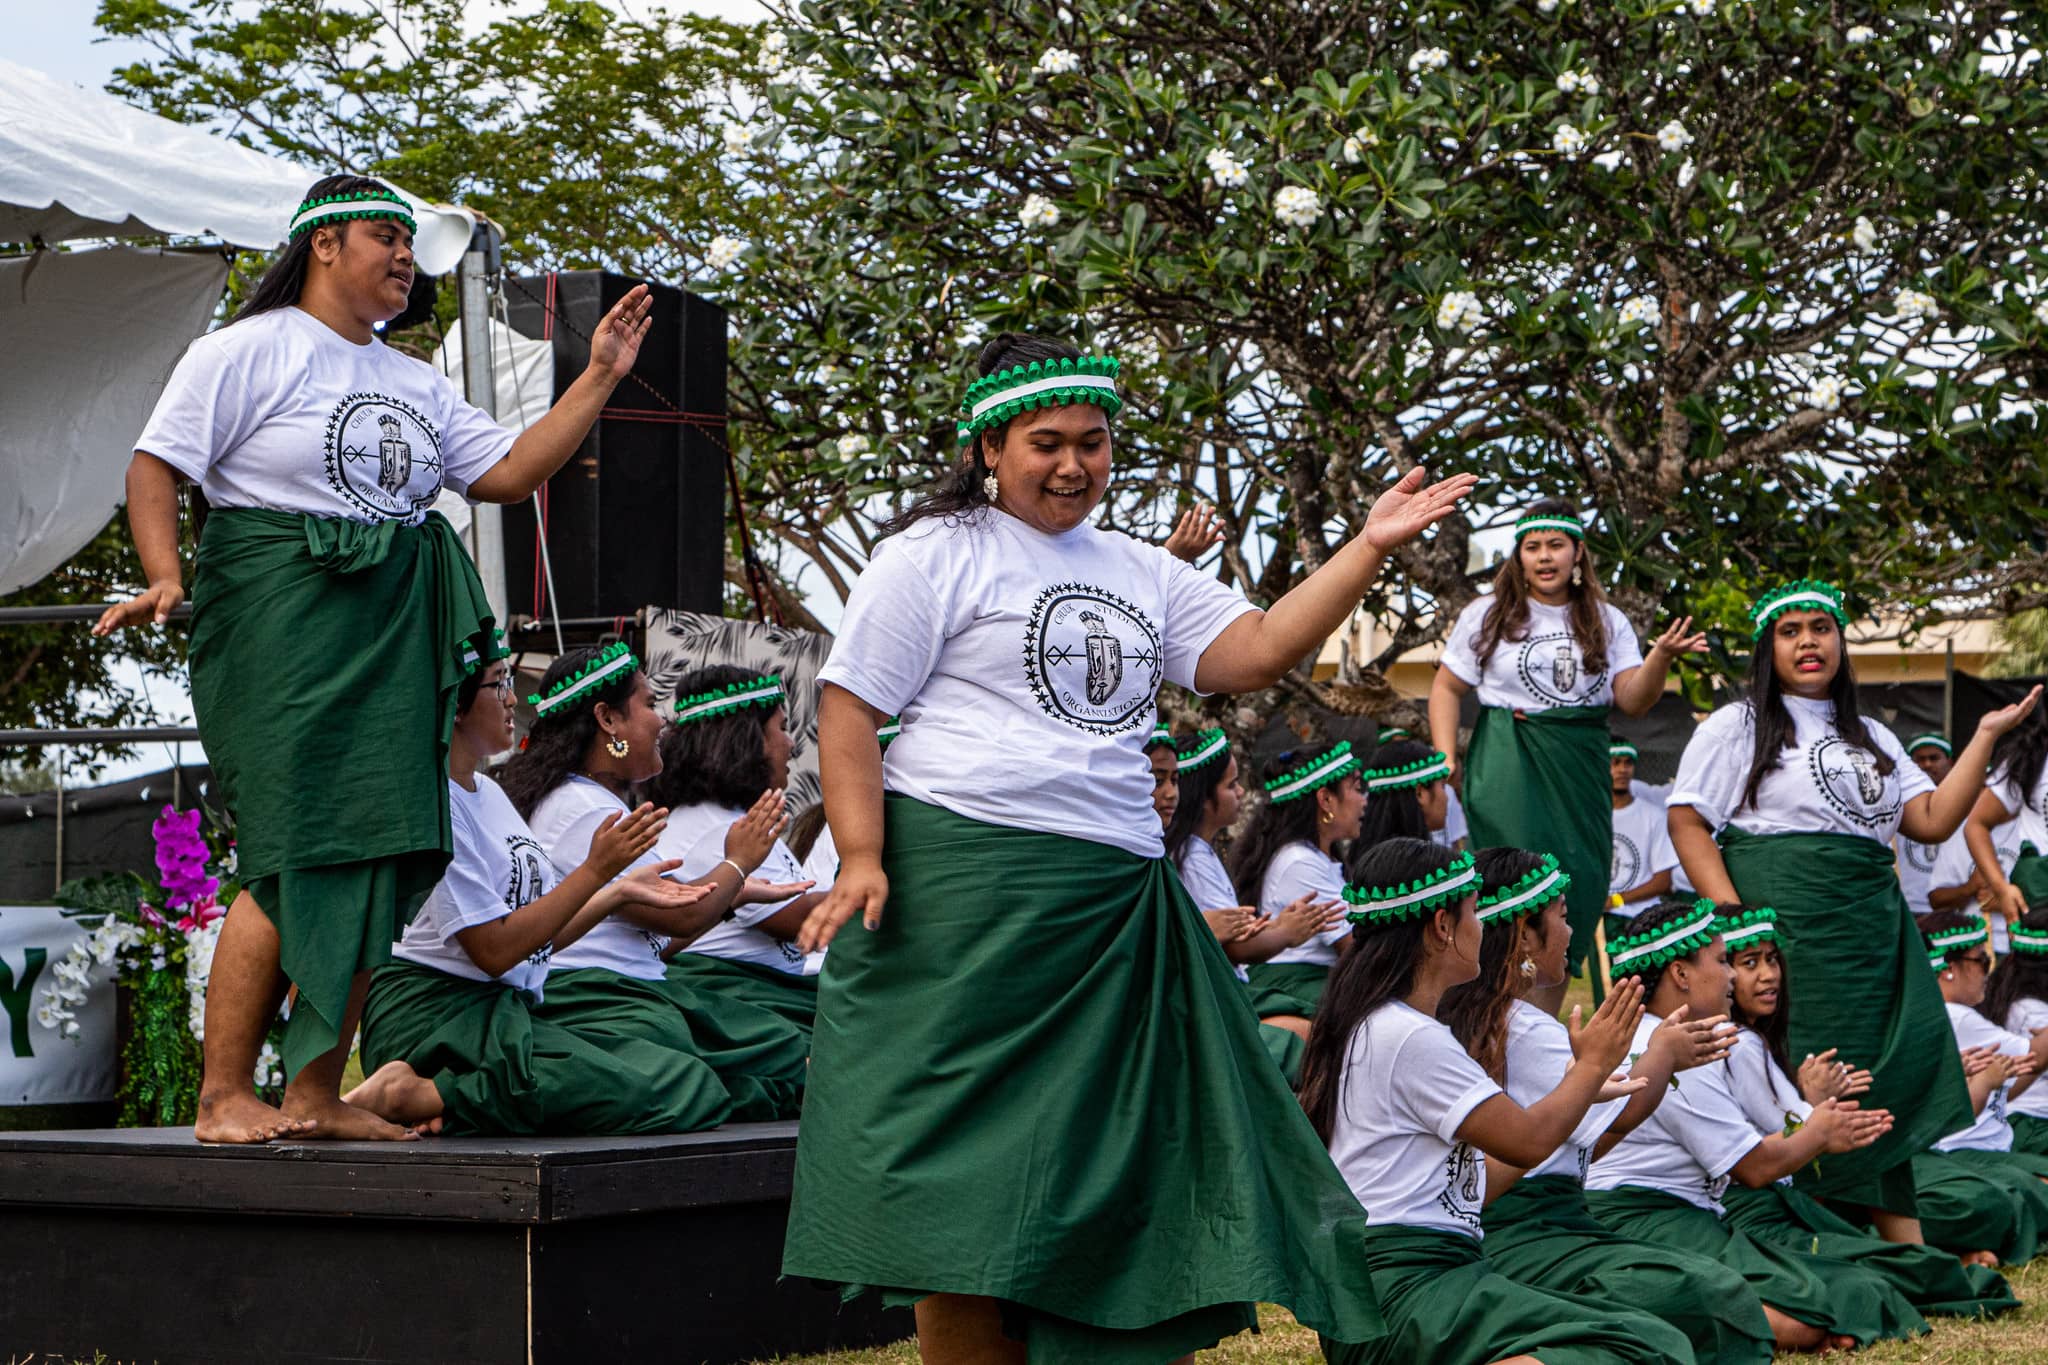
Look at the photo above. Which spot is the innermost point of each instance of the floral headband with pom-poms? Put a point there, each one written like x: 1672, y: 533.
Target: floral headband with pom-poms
x: 1802, y: 594
x: 612, y: 660
x: 1380, y: 781
x: 1381, y: 907
x: 484, y: 647
x: 1527, y: 894
x: 995, y: 398
x: 1943, y: 944
x: 1748, y: 929
x: 1205, y: 748
x: 1654, y: 947
x: 1333, y: 766
x: 765, y: 690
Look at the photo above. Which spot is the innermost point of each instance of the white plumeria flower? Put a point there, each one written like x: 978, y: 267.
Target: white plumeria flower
x: 1057, y: 61
x: 1825, y: 394
x: 1297, y: 206
x: 724, y: 252
x: 2041, y: 311
x: 1639, y: 311
x: 1141, y: 351
x: 1864, y: 234
x: 1913, y: 304
x: 1546, y: 6
x: 1568, y: 140
x: 1038, y: 212
x: 1700, y: 8
x: 1225, y: 170
x: 1673, y: 137
x: 68, y: 1029
x: 1859, y: 35
x: 1578, y: 82
x: 737, y: 136
x: 1428, y: 59
x: 854, y: 443
x: 1356, y: 144
x: 1459, y: 312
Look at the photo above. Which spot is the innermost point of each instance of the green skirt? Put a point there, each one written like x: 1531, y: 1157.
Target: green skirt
x: 759, y: 1057
x: 1287, y: 988
x: 504, y: 1071
x: 792, y: 997
x: 1538, y: 1233
x: 1832, y: 1295
x: 1445, y: 1304
x: 1541, y: 783
x: 1064, y: 1106
x: 2029, y: 1134
x: 1982, y: 1201
x: 324, y: 671
x: 1932, y: 1279
x: 1859, y: 983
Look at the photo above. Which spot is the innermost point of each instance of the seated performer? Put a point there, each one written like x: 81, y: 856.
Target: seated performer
x: 450, y: 1037
x: 2017, y: 1001
x: 1407, y: 794
x: 1164, y: 761
x: 1407, y: 1115
x: 1644, y: 860
x: 1313, y: 803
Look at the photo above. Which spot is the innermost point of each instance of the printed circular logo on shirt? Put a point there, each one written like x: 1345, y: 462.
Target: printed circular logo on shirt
x: 1848, y: 780
x: 1628, y: 864
x: 1919, y: 857
x: 383, y: 456
x: 1093, y: 659
x: 1550, y: 668
x: 526, y: 861
x: 1464, y: 1191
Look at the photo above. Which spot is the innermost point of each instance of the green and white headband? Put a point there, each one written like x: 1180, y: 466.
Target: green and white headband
x: 1621, y: 748
x: 1803, y: 594
x: 1378, y: 907
x: 1206, y: 747
x: 1532, y: 891
x: 1391, y: 732
x: 1161, y: 734
x: 1550, y: 521
x: 1654, y: 947
x: 484, y: 647
x: 891, y: 731
x: 1338, y: 763
x: 334, y: 208
x: 1929, y: 740
x: 765, y: 690
x: 994, y: 399
x: 2031, y: 942
x: 1944, y: 942
x: 1419, y: 773
x: 614, y: 659
x: 1749, y: 928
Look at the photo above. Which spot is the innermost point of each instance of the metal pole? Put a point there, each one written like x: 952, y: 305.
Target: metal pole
x: 60, y: 817
x: 1948, y: 689
x: 480, y: 384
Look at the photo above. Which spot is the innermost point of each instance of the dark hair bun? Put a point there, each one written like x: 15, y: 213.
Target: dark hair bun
x: 1006, y: 350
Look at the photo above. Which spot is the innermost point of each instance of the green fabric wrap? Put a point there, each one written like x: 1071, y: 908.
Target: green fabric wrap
x: 504, y: 1071
x: 1860, y: 984
x: 1541, y: 783
x: 1982, y: 1201
x: 1445, y: 1304
x: 791, y: 997
x: 2030, y: 874
x: 2029, y: 1134
x: 760, y: 1058
x: 1931, y: 1279
x: 324, y: 658
x: 1287, y: 987
x: 1538, y: 1233
x: 1065, y: 1106
x: 1816, y: 1291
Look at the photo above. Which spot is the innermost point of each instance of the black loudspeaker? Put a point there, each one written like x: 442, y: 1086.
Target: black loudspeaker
x: 636, y: 518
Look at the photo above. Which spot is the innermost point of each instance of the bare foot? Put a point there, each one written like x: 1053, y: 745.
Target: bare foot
x: 335, y: 1119
x: 238, y: 1116
x: 1983, y: 1258
x: 396, y: 1092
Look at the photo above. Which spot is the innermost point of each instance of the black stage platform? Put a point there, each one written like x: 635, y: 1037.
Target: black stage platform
x: 146, y: 1246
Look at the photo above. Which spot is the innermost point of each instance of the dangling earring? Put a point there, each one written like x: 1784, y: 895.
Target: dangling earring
x: 1326, y: 817
x: 1527, y: 969
x: 1578, y: 575
x: 617, y: 748
x: 989, y: 487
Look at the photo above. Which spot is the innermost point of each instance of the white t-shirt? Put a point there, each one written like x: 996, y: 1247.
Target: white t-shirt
x: 283, y: 412
x: 1767, y: 1096
x: 1208, y: 885
x: 1005, y: 649
x: 1297, y: 870
x: 1687, y: 1147
x: 1991, y: 1132
x: 1916, y: 869
x: 1642, y: 849
x: 1954, y: 865
x: 1455, y: 827
x: 696, y: 834
x: 822, y: 866
x: 565, y: 821
x: 497, y: 867
x: 2027, y: 1015
x: 1539, y: 1054
x: 2008, y: 792
x: 1822, y: 785
x: 1544, y: 668
x: 1407, y: 1086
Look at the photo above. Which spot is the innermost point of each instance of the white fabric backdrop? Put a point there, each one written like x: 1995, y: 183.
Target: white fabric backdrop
x: 524, y: 371
x: 36, y: 1065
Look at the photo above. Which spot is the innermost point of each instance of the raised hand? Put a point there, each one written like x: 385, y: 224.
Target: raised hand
x: 623, y: 837
x: 1196, y: 533
x: 153, y: 605
x: 1408, y: 509
x: 1845, y: 1126
x: 1996, y: 723
x: 615, y: 345
x: 1305, y: 917
x: 1233, y: 924
x: 1620, y: 1086
x: 750, y: 839
x: 1689, y: 1042
x: 755, y: 891
x: 860, y: 890
x: 1604, y: 1040
x: 1679, y: 638
x: 650, y: 886
x: 1975, y: 1059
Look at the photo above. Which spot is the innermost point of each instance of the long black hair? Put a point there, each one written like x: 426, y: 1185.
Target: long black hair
x: 958, y: 492
x: 1380, y: 967
x: 559, y: 741
x: 2021, y: 753
x: 1508, y: 616
x: 1477, y: 1012
x: 723, y: 760
x: 1773, y: 722
x: 1662, y: 915
x: 282, y: 284
x: 1274, y: 825
x: 1772, y: 1028
x: 2018, y: 976
x: 1197, y: 786
x: 1394, y: 814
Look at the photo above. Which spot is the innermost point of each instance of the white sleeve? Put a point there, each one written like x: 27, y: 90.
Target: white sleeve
x: 570, y: 848
x: 1954, y: 864
x: 1437, y: 1084
x: 2027, y: 1015
x: 1714, y: 766
x: 1198, y: 609
x: 1201, y: 872
x: 204, y: 413
x: 1707, y: 1122
x: 1624, y: 651
x: 890, y: 635
x: 470, y: 891
x: 2001, y: 785
x: 1974, y: 1030
x: 1459, y: 654
x: 471, y: 439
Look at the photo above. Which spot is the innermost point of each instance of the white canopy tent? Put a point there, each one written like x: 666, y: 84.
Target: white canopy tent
x: 91, y: 335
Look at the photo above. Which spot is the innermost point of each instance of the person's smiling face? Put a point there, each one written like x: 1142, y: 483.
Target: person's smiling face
x: 1052, y: 466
